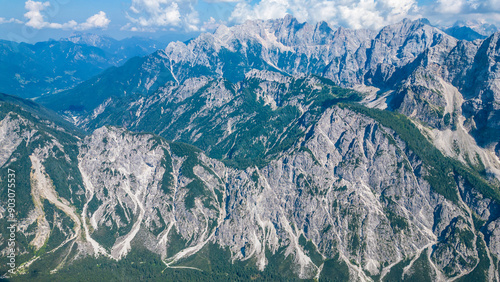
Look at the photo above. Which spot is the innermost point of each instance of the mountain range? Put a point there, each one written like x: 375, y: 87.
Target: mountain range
x: 272, y: 150
x: 410, y: 67
x: 33, y: 70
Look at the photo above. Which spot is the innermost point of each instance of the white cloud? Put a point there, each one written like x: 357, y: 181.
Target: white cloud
x: 325, y: 11
x: 221, y: 1
x: 98, y: 20
x: 362, y: 15
x: 149, y: 15
x: 37, y: 20
x: 264, y: 10
x: 11, y: 20
x: 34, y: 15
x: 450, y: 6
x: 211, y: 24
x: 350, y: 13
x: 192, y: 21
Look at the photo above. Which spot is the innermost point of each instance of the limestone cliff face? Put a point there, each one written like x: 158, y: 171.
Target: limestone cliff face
x: 350, y: 189
x: 139, y: 186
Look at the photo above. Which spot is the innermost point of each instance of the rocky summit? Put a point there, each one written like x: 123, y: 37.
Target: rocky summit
x: 270, y: 151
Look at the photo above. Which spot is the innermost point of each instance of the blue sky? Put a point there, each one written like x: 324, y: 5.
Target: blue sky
x: 33, y: 21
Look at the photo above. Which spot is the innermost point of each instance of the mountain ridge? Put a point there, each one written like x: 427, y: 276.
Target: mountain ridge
x: 48, y: 67
x: 413, y: 67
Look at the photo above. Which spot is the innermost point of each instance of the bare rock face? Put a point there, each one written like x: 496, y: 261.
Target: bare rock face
x: 12, y: 136
x: 334, y: 185
x: 138, y: 182
x: 349, y: 190
x: 352, y: 188
x: 493, y: 236
x: 345, y: 189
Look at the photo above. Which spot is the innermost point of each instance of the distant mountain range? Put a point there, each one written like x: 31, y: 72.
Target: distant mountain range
x: 471, y: 30
x: 481, y: 27
x: 32, y: 70
x: 120, y: 50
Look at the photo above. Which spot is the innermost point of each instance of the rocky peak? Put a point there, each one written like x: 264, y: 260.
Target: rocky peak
x: 416, y: 65
x: 480, y: 27
x: 91, y: 40
x: 401, y: 43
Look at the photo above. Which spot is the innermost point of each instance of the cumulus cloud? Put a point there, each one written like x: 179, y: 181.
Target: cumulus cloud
x: 149, y: 15
x: 221, y: 1
x: 98, y: 20
x: 264, y: 10
x: 350, y: 13
x: 450, y: 6
x: 210, y: 24
x: 37, y: 20
x: 35, y: 17
x: 191, y: 21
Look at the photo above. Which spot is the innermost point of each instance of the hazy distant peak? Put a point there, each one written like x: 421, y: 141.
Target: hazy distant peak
x: 480, y: 27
